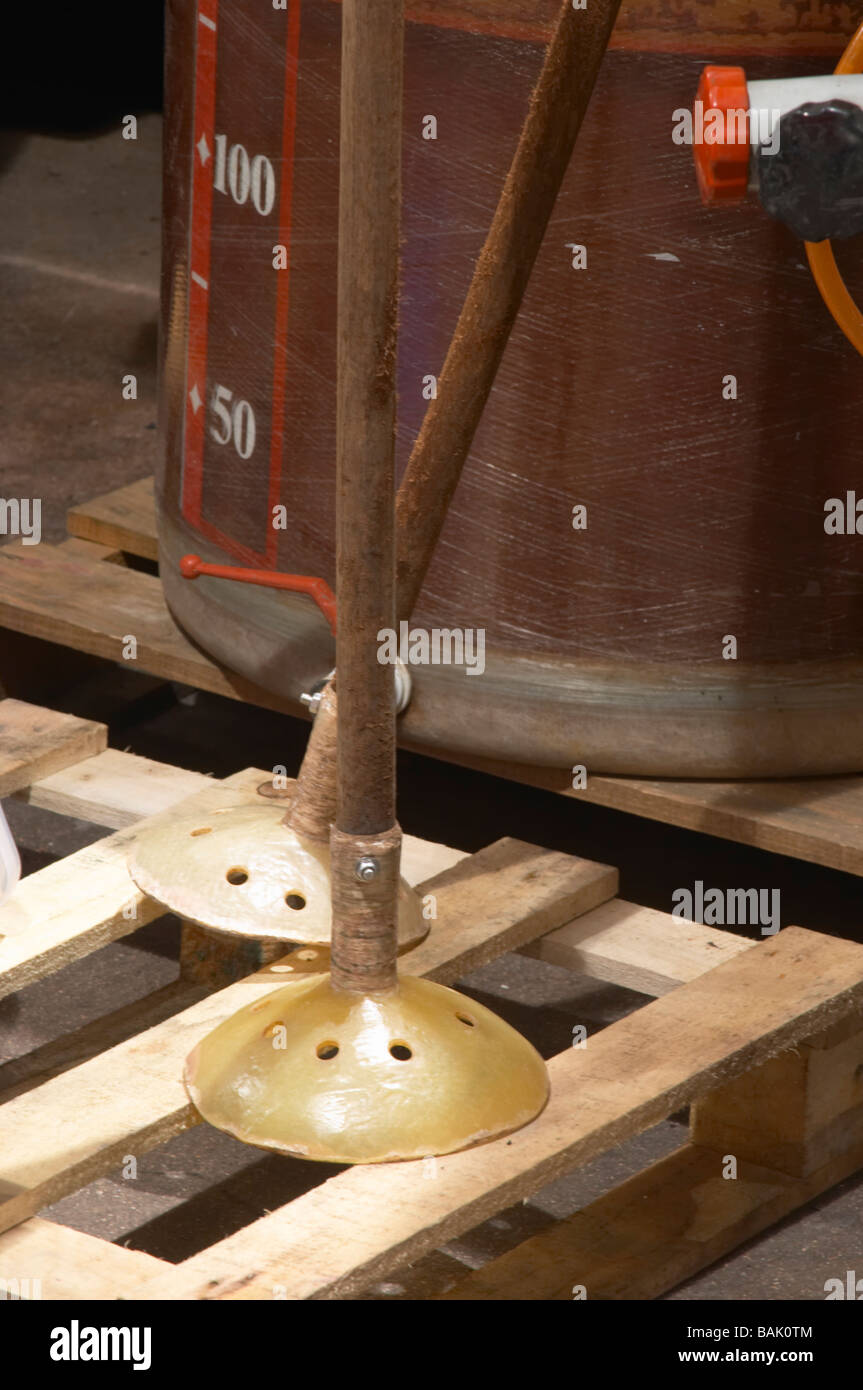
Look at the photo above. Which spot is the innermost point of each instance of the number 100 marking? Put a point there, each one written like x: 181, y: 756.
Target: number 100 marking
x: 244, y: 175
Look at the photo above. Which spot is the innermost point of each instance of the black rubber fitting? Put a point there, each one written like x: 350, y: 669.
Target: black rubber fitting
x: 814, y: 180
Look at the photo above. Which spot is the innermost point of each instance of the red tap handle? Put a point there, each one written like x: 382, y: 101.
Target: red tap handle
x: 318, y: 589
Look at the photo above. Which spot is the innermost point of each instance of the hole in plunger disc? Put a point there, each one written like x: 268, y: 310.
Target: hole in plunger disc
x: 236, y: 876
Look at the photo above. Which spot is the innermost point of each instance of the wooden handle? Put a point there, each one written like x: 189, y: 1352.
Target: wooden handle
x: 501, y: 275
x: 364, y: 942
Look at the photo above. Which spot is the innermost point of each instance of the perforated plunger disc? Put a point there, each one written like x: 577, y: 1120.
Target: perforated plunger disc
x: 240, y: 870
x: 366, y: 1078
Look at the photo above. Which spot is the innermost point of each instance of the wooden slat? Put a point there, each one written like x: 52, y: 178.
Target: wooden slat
x: 119, y: 789
x: 818, y: 819
x: 78, y: 1125
x: 35, y: 742
x: 71, y: 547
x: 124, y: 519
x: 637, y: 947
x: 86, y: 900
x: 89, y: 551
x: 72, y: 1265
x: 504, y: 896
x: 68, y: 909
x: 362, y: 1224
x: 94, y: 607
x: 652, y: 1232
x: 114, y: 789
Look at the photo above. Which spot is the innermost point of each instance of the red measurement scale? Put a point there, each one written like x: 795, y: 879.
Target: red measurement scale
x: 240, y: 211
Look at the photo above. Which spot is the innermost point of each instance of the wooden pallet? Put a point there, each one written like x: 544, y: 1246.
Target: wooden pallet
x: 81, y: 594
x: 763, y: 1041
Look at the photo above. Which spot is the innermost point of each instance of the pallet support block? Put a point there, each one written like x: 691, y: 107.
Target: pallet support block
x: 795, y: 1113
x: 214, y: 959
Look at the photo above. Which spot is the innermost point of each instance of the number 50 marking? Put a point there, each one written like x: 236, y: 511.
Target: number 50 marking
x: 237, y: 421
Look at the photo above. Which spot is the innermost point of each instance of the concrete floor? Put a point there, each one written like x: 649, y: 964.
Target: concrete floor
x: 79, y: 266
x: 79, y: 260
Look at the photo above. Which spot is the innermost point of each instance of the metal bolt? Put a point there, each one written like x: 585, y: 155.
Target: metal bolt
x: 314, y: 697
x: 367, y: 868
x: 313, y: 700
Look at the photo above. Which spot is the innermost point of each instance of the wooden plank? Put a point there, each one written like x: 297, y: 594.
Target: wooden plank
x: 358, y: 1226
x: 506, y: 894
x: 637, y: 947
x: 114, y: 789
x: 70, y: 1264
x: 86, y: 900
x: 818, y: 819
x: 71, y: 546
x: 89, y: 551
x: 423, y: 859
x: 95, y: 607
x: 650, y: 1233
x: 118, y: 789
x: 124, y: 519
x: 68, y: 909
x: 35, y: 742
x: 78, y: 1125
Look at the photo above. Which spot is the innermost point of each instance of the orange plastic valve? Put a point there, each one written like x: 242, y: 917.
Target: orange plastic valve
x: 318, y: 589
x: 722, y: 164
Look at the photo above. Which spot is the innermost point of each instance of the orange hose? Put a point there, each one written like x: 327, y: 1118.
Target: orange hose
x: 822, y: 262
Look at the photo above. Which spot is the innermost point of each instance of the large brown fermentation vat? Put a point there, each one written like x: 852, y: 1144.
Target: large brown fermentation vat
x: 705, y: 516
